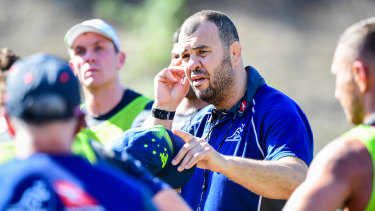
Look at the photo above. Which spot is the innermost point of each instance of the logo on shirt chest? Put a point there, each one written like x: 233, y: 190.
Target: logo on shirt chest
x: 236, y: 137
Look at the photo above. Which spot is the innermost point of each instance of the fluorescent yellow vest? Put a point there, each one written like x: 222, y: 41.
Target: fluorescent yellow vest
x: 110, y: 129
x: 366, y: 134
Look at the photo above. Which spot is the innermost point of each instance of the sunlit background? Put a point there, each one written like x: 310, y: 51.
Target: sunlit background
x: 290, y: 42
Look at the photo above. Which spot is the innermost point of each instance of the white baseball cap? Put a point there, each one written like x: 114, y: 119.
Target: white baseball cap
x: 94, y: 25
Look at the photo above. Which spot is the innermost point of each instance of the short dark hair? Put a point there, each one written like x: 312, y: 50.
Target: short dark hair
x: 227, y: 30
x: 7, y: 59
x: 360, y: 39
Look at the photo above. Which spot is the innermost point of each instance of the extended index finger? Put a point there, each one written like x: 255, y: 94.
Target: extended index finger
x: 187, y: 137
x: 185, y: 149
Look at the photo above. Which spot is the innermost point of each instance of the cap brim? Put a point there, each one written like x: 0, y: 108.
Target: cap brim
x: 170, y: 175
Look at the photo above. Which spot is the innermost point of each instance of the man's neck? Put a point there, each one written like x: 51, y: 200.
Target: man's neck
x: 189, y: 105
x: 101, y: 101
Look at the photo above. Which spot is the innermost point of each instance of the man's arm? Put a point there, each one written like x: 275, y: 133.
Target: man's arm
x: 335, y: 178
x: 272, y: 179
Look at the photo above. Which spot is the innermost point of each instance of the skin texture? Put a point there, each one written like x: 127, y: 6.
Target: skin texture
x: 96, y: 63
x: 341, y: 175
x: 191, y: 102
x: 347, y: 91
x: 204, y: 63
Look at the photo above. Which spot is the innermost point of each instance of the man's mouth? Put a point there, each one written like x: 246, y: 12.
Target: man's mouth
x: 198, y: 80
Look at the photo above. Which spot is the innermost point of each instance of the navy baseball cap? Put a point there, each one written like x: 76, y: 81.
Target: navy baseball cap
x: 42, y: 88
x: 155, y: 147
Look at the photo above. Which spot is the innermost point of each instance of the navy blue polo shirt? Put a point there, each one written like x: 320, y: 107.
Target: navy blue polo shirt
x: 68, y: 182
x: 265, y: 125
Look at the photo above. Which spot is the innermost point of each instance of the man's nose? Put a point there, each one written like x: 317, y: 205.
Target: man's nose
x: 89, y: 56
x: 194, y: 63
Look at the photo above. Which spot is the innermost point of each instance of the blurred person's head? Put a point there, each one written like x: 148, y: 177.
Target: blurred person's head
x: 42, y: 105
x: 95, y: 53
x: 175, y: 54
x: 176, y: 60
x: 211, y: 54
x: 7, y: 58
x: 354, y: 65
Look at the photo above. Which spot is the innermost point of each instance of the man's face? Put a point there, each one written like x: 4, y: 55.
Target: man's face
x: 207, y: 64
x: 175, y: 55
x: 346, y: 89
x: 176, y: 61
x: 94, y: 60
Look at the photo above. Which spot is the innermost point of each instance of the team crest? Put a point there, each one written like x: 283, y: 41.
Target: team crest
x: 237, y: 134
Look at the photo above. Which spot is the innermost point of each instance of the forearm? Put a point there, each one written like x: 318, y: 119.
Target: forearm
x: 272, y: 179
x: 154, y: 121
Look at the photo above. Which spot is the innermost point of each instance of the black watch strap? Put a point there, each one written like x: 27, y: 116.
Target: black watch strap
x: 162, y: 114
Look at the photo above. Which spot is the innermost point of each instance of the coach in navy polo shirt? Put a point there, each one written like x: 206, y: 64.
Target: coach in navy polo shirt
x: 252, y: 143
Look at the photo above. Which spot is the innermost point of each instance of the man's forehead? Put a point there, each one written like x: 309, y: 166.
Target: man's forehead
x: 176, y: 49
x: 93, y: 37
x: 205, y: 32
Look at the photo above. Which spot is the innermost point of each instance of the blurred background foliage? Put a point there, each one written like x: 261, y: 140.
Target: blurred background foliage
x: 149, y: 26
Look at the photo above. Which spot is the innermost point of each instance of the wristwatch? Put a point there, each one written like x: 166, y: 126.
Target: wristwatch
x: 162, y: 114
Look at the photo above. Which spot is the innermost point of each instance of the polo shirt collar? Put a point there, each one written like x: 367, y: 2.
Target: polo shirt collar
x: 254, y: 81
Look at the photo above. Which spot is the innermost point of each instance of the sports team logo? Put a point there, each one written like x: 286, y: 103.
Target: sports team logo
x: 74, y: 197
x: 35, y: 197
x: 242, y: 107
x: 236, y: 137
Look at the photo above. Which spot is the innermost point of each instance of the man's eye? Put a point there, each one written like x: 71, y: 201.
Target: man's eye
x: 202, y: 51
x: 98, y: 48
x: 175, y: 56
x: 79, y: 51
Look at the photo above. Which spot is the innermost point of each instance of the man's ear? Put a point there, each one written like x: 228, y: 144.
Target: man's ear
x: 121, y: 59
x: 235, y: 50
x: 361, y: 76
x: 9, y: 125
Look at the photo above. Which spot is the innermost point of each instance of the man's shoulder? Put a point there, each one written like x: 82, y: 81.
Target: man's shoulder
x: 54, y: 174
x: 267, y: 95
x: 344, y: 157
x: 133, y: 97
x: 271, y: 100
x: 131, y: 94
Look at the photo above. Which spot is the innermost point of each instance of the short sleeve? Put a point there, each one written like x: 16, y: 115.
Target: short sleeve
x: 286, y: 131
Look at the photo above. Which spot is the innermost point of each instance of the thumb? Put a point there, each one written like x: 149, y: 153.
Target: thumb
x: 187, y: 137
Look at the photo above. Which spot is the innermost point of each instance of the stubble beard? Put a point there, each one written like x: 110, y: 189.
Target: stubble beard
x: 220, y: 83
